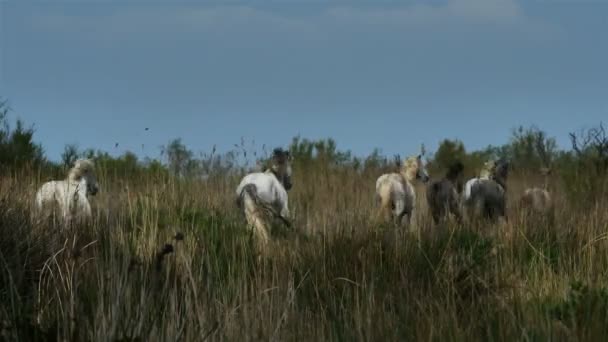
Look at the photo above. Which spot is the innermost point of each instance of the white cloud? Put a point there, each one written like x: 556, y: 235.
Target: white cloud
x: 493, y: 10
x: 505, y: 15
x: 143, y: 19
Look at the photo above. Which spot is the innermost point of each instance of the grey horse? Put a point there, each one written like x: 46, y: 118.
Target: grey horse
x: 486, y: 196
x: 443, y: 195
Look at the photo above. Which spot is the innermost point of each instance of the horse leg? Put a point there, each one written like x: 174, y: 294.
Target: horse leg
x: 385, y: 214
x: 503, y: 211
x: 454, y: 208
x: 88, y: 213
x: 436, y: 216
x: 254, y: 217
x: 66, y: 211
x: 256, y: 223
x: 399, y: 211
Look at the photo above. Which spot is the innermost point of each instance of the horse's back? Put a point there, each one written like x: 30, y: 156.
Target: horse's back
x: 468, y: 188
x: 390, y: 182
x: 442, y: 198
x: 268, y: 188
x: 46, y: 192
x: 393, y: 188
x: 257, y: 179
x: 488, y: 190
x: 440, y: 192
x: 488, y: 197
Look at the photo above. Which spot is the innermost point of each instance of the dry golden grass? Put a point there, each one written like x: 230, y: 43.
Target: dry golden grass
x: 337, y: 276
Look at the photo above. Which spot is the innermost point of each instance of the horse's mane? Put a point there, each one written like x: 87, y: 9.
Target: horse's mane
x: 488, y: 169
x: 496, y: 171
x: 81, y: 166
x: 410, y: 164
x: 501, y: 173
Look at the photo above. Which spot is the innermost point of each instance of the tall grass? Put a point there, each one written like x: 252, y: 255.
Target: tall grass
x: 170, y: 259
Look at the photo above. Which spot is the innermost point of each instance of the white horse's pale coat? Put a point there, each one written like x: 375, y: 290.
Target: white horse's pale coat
x: 263, y: 195
x: 395, y: 191
x: 70, y: 196
x: 269, y: 191
x: 538, y: 199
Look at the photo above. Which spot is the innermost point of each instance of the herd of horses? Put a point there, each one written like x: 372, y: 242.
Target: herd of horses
x: 263, y: 196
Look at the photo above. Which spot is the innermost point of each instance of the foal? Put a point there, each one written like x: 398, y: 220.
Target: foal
x: 538, y: 199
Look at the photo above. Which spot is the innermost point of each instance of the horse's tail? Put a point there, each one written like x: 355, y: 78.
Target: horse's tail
x: 41, y: 197
x: 433, y: 193
x: 38, y: 201
x: 386, y: 202
x: 249, y: 202
x: 248, y: 199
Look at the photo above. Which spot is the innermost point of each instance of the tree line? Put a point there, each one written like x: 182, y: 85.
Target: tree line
x: 583, y: 167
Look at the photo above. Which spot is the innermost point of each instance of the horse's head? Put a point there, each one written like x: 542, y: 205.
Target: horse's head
x: 455, y: 171
x: 281, y: 167
x: 92, y: 185
x: 422, y: 173
x: 455, y: 174
x: 84, y: 172
x: 501, y: 172
x: 414, y: 168
x: 502, y: 169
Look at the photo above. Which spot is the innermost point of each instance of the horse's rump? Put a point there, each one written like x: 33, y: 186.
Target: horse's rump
x: 537, y: 199
x: 488, y: 198
x: 442, y: 198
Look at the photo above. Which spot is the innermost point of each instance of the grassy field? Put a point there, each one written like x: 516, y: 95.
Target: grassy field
x: 168, y: 260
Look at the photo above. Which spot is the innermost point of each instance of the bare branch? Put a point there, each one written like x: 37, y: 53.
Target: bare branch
x: 541, y: 147
x: 592, y: 140
x: 574, y: 142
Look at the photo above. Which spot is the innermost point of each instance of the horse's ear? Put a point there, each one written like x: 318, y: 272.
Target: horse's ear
x: 276, y: 153
x: 280, y: 156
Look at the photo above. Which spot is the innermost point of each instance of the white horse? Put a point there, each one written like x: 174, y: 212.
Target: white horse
x: 70, y: 196
x: 396, y: 193
x: 263, y: 196
x: 486, y: 195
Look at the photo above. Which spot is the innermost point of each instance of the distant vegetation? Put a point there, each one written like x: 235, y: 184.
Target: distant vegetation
x: 168, y: 256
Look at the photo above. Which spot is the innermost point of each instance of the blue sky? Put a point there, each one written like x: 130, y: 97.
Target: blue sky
x: 386, y: 74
